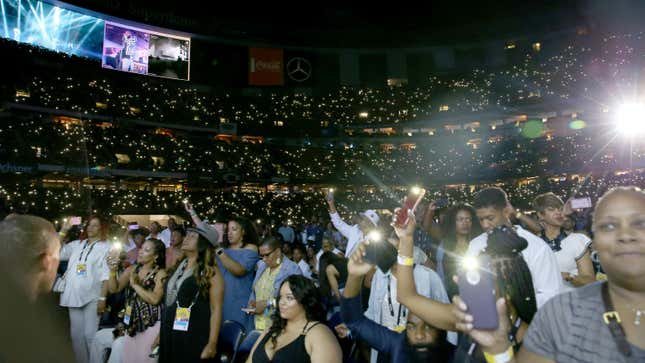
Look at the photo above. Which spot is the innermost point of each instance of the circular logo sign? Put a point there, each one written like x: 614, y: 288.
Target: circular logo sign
x: 299, y: 69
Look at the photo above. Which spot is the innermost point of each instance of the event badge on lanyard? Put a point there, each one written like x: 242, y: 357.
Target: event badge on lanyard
x: 182, y: 315
x: 127, y: 315
x: 81, y: 269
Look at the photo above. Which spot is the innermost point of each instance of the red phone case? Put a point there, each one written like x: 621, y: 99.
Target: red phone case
x: 410, y: 203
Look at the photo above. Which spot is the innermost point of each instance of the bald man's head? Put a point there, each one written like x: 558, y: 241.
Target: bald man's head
x: 30, y: 247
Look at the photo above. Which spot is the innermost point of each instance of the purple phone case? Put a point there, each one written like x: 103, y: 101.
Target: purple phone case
x: 480, y: 299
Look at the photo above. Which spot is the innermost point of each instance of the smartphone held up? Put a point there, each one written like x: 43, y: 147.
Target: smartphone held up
x: 410, y: 203
x: 329, y: 197
x: 379, y: 251
x: 477, y: 290
x: 581, y: 203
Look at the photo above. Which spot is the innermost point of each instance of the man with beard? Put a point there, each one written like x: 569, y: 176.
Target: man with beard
x: 419, y: 342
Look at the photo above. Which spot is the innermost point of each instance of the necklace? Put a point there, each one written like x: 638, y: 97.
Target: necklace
x: 639, y: 313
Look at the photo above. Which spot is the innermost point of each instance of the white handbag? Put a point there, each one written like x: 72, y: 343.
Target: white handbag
x: 60, y: 283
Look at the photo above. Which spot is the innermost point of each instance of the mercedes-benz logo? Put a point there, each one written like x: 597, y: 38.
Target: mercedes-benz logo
x: 299, y: 69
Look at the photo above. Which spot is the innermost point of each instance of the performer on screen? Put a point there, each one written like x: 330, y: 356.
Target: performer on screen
x: 128, y: 42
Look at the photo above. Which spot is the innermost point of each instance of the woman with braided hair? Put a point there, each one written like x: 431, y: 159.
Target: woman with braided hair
x: 513, y: 283
x: 513, y: 275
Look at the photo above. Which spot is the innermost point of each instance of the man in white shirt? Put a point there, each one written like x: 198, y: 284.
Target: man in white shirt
x: 492, y: 208
x: 299, y: 257
x: 156, y: 232
x: 288, y: 234
x: 327, y: 246
x: 356, y: 233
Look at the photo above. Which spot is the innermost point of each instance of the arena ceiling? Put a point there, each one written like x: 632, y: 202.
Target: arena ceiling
x: 350, y: 24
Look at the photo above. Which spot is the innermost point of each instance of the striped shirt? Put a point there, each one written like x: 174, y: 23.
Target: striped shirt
x: 569, y: 328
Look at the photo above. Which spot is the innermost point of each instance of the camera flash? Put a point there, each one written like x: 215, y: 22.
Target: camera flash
x: 469, y: 263
x: 374, y: 236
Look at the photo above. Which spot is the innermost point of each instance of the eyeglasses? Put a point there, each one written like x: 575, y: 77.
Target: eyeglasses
x: 268, y: 254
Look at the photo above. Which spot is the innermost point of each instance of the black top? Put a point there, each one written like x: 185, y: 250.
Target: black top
x: 294, y: 352
x: 186, y: 346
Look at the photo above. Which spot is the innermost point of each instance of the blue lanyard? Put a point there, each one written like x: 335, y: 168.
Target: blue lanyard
x: 88, y: 252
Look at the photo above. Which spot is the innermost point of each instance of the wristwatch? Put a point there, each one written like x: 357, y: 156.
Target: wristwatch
x: 219, y: 251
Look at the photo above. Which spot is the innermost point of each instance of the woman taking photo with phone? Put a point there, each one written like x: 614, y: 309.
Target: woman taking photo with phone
x: 571, y: 250
x: 145, y: 290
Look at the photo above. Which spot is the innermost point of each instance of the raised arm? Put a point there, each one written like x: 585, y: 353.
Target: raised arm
x: 435, y: 313
x: 377, y: 336
x: 67, y: 249
x: 429, y: 226
x: 342, y: 227
x: 117, y: 283
x: 231, y: 265
x: 530, y: 223
x: 193, y: 214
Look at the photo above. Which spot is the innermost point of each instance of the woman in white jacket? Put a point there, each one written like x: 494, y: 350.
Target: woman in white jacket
x: 85, y: 284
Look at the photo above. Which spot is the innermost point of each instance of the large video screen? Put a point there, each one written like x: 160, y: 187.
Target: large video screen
x: 142, y: 51
x: 52, y: 27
